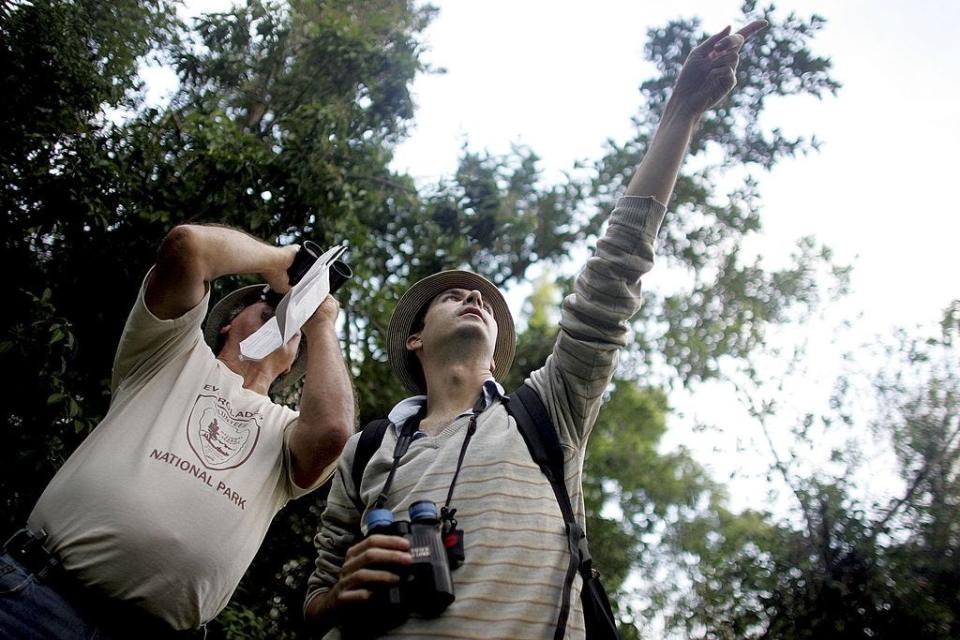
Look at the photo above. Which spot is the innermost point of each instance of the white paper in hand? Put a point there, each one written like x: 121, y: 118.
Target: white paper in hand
x: 293, y: 310
x: 262, y: 342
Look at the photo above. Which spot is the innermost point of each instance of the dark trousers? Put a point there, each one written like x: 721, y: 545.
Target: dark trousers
x: 38, y: 601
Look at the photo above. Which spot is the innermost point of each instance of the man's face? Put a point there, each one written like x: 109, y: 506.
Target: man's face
x: 460, y: 314
x: 249, y: 321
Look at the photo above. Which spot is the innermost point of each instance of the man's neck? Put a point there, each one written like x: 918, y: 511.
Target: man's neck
x: 451, y: 390
x: 256, y: 376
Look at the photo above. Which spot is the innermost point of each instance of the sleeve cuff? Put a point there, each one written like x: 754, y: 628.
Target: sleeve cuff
x: 641, y: 213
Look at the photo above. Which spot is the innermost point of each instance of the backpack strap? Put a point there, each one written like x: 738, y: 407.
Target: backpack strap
x: 541, y: 437
x: 370, y: 439
x: 542, y: 440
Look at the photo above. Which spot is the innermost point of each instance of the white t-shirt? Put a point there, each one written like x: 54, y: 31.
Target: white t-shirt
x: 166, y: 502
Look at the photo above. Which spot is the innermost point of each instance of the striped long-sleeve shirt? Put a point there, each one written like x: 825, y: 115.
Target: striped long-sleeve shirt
x: 516, y: 553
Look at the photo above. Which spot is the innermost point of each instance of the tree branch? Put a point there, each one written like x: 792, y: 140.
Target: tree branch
x: 915, y: 485
x: 747, y: 401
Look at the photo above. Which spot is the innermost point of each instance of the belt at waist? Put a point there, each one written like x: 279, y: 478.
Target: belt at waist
x: 26, y: 547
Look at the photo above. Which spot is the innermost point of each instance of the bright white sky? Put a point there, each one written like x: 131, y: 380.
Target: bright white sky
x: 562, y: 77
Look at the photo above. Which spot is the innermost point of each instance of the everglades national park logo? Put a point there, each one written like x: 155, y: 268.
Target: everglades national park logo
x: 220, y: 437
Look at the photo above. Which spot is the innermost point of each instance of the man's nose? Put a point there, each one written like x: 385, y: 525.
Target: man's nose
x: 475, y: 298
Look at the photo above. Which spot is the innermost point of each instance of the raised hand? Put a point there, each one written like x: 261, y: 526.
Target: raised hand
x: 325, y: 316
x: 277, y: 276
x: 709, y: 72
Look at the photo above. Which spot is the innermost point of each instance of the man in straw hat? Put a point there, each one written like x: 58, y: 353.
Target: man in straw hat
x: 148, y: 527
x: 451, y: 338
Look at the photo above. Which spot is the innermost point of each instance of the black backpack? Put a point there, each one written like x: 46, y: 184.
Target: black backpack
x: 541, y: 439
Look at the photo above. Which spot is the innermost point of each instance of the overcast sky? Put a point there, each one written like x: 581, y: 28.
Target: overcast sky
x: 563, y: 76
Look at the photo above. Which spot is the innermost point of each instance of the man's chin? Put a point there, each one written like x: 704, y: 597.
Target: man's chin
x: 471, y: 334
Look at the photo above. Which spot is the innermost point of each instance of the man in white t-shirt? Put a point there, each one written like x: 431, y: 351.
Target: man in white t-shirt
x: 148, y: 527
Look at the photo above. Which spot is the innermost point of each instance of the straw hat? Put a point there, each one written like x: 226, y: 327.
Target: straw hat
x: 405, y: 363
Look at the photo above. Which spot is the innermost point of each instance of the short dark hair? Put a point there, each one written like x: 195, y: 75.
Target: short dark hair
x: 421, y: 318
x: 413, y: 362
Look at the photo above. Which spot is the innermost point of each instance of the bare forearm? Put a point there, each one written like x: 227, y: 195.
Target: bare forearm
x: 327, y: 406
x: 193, y: 255
x: 658, y: 171
x: 707, y: 76
x: 218, y: 251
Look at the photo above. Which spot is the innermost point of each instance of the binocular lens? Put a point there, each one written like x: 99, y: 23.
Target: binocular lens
x: 379, y: 518
x: 423, y: 510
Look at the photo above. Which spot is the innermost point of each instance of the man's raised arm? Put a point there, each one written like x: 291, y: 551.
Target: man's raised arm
x: 327, y: 403
x: 594, y: 323
x: 708, y: 75
x: 193, y: 255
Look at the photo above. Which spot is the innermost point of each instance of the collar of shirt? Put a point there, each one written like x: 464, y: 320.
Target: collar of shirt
x: 406, y: 409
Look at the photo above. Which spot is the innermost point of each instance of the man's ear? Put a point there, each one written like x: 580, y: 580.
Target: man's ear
x: 225, y: 329
x: 414, y: 342
x: 493, y: 366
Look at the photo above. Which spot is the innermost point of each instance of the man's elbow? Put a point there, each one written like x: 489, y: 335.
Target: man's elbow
x: 334, y: 439
x: 182, y: 246
x: 316, y: 446
x: 342, y: 424
x: 338, y: 435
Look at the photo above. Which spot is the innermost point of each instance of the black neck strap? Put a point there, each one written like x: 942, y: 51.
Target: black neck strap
x: 446, y: 513
x: 407, y: 431
x: 409, y: 428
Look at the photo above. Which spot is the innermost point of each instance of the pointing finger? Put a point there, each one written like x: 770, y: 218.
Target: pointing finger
x: 712, y: 40
x: 752, y: 28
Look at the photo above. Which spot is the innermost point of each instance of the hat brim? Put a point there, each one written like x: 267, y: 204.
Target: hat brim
x: 411, y: 303
x: 226, y: 309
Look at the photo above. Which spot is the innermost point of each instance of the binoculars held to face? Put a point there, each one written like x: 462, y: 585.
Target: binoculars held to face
x: 308, y: 254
